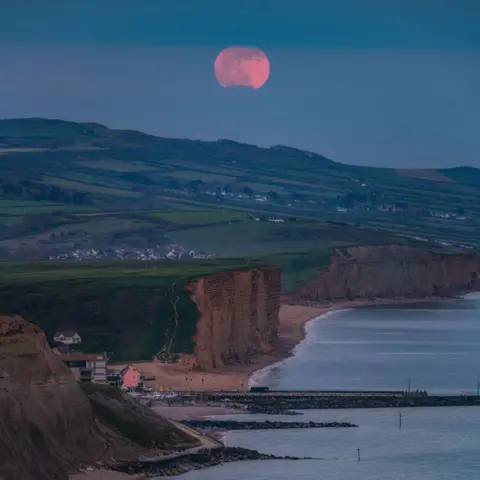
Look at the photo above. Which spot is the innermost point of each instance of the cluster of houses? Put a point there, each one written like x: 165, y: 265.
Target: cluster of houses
x: 268, y: 219
x: 93, y: 367
x: 454, y: 216
x: 172, y: 252
x: 236, y: 195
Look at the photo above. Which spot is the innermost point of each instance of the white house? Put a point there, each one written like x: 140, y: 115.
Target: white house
x: 68, y: 337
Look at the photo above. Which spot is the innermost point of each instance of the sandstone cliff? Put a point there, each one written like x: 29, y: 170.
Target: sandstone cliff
x: 47, y: 427
x: 239, y: 315
x: 390, y: 271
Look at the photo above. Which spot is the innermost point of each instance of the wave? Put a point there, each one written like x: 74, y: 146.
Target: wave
x: 259, y: 377
x: 311, y: 333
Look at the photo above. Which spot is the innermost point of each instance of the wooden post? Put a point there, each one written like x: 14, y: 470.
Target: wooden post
x: 400, y: 420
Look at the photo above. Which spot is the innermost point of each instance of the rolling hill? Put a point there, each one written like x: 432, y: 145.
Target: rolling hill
x: 127, y: 187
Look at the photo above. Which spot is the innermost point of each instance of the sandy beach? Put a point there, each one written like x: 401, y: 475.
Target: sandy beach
x: 180, y: 376
x: 293, y: 318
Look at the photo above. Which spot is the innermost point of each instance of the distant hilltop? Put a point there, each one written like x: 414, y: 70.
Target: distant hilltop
x: 81, y: 168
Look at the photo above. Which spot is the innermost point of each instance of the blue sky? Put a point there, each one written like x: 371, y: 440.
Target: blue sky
x: 373, y: 82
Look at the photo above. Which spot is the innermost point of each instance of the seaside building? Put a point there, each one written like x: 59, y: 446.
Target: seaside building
x: 87, y: 367
x: 131, y: 377
x: 114, y: 378
x: 67, y: 337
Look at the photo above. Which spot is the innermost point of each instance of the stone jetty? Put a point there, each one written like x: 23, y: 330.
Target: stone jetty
x: 267, y: 425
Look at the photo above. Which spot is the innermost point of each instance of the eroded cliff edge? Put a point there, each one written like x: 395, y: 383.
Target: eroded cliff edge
x: 222, y: 314
x: 392, y: 271
x: 48, y: 426
x: 238, y: 315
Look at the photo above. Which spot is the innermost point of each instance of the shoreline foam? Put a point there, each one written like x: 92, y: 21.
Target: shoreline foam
x: 257, y: 376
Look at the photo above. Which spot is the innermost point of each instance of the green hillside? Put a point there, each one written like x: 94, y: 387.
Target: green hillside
x: 68, y: 185
x: 129, y: 309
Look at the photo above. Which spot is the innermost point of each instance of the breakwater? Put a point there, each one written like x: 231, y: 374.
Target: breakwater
x: 267, y: 425
x: 179, y: 464
x: 275, y: 401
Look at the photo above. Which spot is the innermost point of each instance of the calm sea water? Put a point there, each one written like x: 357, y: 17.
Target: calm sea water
x: 433, y: 346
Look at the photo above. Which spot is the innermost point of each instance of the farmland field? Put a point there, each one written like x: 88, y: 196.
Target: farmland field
x: 198, y: 217
x: 187, y: 192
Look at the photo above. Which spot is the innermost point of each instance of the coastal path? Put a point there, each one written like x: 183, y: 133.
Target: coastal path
x: 206, y: 443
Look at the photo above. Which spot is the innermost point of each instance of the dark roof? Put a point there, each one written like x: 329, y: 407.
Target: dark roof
x: 124, y: 370
x: 91, y: 357
x: 66, y: 333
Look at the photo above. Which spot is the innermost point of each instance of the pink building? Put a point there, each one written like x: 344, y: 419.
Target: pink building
x: 131, y: 377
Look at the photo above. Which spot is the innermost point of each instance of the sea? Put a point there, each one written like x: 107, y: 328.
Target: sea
x: 428, y: 346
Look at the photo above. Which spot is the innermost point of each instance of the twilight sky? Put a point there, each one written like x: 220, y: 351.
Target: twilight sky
x: 371, y: 85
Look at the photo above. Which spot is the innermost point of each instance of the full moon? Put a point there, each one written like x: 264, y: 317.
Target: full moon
x: 242, y: 67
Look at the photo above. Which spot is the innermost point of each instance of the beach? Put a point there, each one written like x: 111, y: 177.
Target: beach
x: 431, y: 345
x: 181, y: 376
x: 291, y: 331
x: 293, y: 320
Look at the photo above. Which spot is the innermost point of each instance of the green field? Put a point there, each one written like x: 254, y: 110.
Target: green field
x: 140, y: 191
x: 198, y: 217
x: 100, y: 299
x: 66, y: 186
x: 90, y: 188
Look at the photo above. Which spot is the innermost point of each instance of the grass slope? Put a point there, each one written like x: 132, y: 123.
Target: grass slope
x: 125, y: 308
x: 65, y: 185
x: 127, y: 170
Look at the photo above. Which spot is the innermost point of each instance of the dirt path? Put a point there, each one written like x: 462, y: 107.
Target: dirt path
x: 206, y: 441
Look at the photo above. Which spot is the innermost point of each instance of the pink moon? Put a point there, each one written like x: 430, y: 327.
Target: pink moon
x: 242, y: 67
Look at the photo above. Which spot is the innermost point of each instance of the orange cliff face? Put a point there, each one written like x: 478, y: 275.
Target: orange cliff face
x: 239, y: 310
x: 239, y: 315
x: 389, y: 271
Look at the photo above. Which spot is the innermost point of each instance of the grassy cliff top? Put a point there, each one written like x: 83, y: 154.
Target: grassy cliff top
x: 74, y: 279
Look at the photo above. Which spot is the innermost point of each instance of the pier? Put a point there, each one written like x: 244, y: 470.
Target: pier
x: 280, y: 400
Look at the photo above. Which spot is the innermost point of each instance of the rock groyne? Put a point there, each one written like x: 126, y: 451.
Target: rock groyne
x: 267, y: 425
x: 196, y: 461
